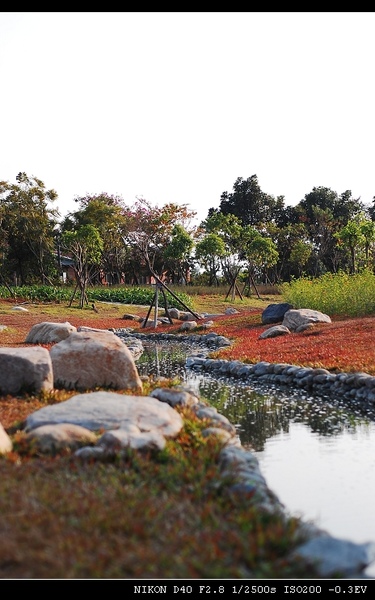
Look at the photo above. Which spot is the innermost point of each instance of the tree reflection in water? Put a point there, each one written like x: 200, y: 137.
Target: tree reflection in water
x: 258, y: 411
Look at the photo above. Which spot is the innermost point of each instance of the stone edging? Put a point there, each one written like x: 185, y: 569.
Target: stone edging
x: 350, y: 386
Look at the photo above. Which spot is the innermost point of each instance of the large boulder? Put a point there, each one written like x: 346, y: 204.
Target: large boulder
x: 274, y: 313
x: 25, y: 370
x: 89, y: 359
x: 300, y: 319
x: 47, y: 333
x: 108, y: 411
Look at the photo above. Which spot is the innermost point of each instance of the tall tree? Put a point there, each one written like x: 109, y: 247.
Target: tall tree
x: 324, y: 213
x: 259, y: 252
x: 106, y: 213
x: 28, y: 222
x: 177, y: 254
x: 148, y: 231
x: 85, y: 246
x: 250, y: 204
x: 209, y: 252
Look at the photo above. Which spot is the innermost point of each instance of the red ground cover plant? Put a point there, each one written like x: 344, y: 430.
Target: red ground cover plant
x: 344, y: 345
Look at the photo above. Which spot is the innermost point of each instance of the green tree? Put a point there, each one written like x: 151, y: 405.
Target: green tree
x: 352, y: 238
x: 259, y: 253
x: 177, y: 254
x: 229, y: 228
x: 28, y: 223
x: 106, y: 213
x: 85, y: 246
x: 148, y: 230
x: 324, y: 213
x: 300, y: 254
x: 250, y: 204
x: 209, y: 252
x: 357, y: 236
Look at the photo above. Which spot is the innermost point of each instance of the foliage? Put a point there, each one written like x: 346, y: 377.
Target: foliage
x: 340, y: 294
x: 85, y: 246
x: 27, y: 225
x: 121, y: 294
x: 106, y: 213
x: 149, y: 230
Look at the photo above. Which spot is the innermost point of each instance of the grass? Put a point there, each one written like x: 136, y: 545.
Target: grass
x: 159, y: 515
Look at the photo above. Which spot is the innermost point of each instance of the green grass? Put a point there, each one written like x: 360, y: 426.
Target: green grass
x: 334, y: 294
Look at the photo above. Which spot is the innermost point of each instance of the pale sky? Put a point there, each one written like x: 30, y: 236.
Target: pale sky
x: 175, y: 106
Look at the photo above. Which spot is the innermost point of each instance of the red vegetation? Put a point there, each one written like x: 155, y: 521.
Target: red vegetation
x: 343, y: 345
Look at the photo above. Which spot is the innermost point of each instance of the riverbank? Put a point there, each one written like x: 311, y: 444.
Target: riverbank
x: 61, y: 519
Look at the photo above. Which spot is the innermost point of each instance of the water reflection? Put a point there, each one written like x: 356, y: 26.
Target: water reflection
x: 316, y: 453
x: 258, y: 411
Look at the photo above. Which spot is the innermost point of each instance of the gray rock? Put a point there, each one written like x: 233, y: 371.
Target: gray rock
x: 274, y: 331
x: 294, y: 319
x: 188, y: 326
x: 89, y: 359
x: 335, y: 557
x: 46, y: 333
x: 175, y: 397
x: 118, y: 439
x: 109, y: 410
x: 25, y: 370
x: 51, y: 439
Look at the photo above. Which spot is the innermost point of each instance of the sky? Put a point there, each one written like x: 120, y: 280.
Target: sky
x: 175, y: 106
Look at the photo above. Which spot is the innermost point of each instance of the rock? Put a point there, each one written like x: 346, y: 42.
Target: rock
x: 51, y: 439
x: 47, y: 333
x: 175, y: 396
x: 89, y: 359
x: 231, y: 311
x: 187, y: 316
x: 20, y: 308
x: 174, y: 313
x: 274, y: 332
x: 109, y: 410
x: 274, y: 313
x: 302, y: 318
x: 6, y: 444
x: 332, y: 556
x: 131, y: 437
x: 188, y: 326
x: 129, y: 317
x: 27, y: 370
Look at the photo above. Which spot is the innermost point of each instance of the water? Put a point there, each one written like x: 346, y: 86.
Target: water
x: 317, y: 455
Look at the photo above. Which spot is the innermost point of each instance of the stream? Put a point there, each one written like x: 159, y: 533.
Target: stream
x: 317, y: 454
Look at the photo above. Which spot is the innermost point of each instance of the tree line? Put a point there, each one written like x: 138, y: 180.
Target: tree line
x: 251, y: 237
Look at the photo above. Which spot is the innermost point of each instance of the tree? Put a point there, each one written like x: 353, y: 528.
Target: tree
x: 300, y: 254
x: 258, y: 251
x: 358, y: 234
x: 85, y: 246
x: 249, y: 204
x: 28, y: 224
x: 228, y: 228
x: 324, y: 213
x: 177, y: 254
x: 106, y: 213
x: 351, y: 237
x: 148, y: 231
x: 209, y: 252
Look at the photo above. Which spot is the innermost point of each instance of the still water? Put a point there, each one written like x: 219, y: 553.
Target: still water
x: 316, y: 454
